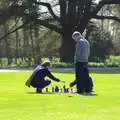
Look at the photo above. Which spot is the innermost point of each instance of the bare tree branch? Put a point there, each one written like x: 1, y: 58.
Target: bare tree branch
x: 111, y: 1
x: 101, y: 4
x: 107, y: 17
x: 98, y: 8
x: 63, y: 8
x: 7, y: 13
x: 21, y: 26
x: 45, y: 23
x: 15, y: 24
x: 49, y: 8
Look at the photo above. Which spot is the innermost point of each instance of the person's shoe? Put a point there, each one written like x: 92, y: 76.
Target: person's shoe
x: 80, y: 92
x: 70, y: 85
x: 88, y: 93
x: 38, y: 90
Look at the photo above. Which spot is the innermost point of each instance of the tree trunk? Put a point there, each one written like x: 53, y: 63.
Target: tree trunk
x: 37, y: 47
x: 17, y: 38
x: 7, y: 45
x: 68, y: 44
x: 67, y: 48
x: 32, y: 42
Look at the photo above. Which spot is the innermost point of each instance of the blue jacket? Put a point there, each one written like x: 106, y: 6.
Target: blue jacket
x: 39, y: 74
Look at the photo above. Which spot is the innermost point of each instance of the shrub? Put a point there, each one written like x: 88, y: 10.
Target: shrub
x: 93, y: 64
x: 23, y: 63
x: 113, y: 61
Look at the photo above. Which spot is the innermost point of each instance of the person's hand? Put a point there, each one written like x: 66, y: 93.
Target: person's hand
x: 62, y: 81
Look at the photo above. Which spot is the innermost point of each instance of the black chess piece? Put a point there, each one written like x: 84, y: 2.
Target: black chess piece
x: 46, y: 89
x: 53, y: 90
x: 67, y: 90
x: 56, y: 89
x: 64, y: 86
x: 71, y: 90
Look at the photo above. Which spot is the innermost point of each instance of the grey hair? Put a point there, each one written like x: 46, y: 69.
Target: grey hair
x: 76, y: 33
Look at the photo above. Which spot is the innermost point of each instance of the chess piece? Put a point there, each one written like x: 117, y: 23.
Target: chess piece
x: 71, y: 90
x: 67, y: 90
x: 60, y: 90
x: 64, y: 87
x: 53, y: 90
x: 56, y: 89
x: 46, y: 89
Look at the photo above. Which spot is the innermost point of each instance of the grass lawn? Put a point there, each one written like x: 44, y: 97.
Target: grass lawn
x: 17, y: 102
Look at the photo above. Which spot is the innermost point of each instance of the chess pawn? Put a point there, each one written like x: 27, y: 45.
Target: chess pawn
x: 67, y: 90
x: 71, y: 90
x: 60, y: 90
x: 64, y: 87
x: 53, y: 90
x: 46, y: 89
x: 56, y: 89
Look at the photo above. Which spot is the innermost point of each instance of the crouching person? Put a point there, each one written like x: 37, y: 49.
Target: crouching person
x: 37, y: 79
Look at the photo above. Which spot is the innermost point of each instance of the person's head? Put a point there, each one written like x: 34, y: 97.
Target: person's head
x: 46, y: 63
x: 76, y: 35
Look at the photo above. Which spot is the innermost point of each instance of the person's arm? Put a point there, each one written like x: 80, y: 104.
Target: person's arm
x: 89, y: 48
x: 73, y: 83
x: 51, y: 76
x: 78, y: 52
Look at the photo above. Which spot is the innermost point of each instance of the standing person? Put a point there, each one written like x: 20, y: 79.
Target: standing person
x: 74, y: 82
x: 82, y: 53
x: 37, y: 79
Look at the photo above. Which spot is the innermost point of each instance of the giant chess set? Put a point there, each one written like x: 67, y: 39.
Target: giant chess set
x: 61, y: 90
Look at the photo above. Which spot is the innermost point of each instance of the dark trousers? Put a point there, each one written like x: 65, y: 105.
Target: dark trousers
x: 74, y: 82
x: 41, y: 84
x: 82, y: 77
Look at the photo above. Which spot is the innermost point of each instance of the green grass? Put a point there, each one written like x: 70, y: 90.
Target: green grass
x: 17, y: 102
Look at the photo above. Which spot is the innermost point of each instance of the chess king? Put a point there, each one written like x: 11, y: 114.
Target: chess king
x: 37, y: 79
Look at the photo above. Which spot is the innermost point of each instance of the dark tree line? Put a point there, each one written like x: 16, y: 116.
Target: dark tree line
x: 72, y: 15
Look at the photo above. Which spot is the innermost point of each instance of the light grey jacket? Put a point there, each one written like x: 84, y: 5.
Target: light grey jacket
x: 82, y: 51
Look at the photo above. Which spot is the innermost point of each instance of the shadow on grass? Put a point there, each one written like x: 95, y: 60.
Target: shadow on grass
x: 40, y: 93
x: 50, y: 93
x: 89, y: 94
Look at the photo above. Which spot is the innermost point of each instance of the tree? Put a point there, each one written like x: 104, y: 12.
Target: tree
x: 116, y: 31
x: 101, y: 44
x: 72, y: 15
